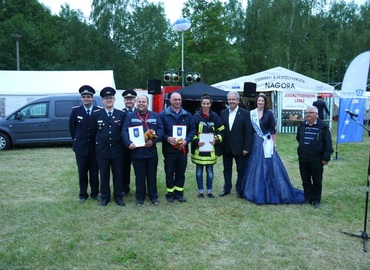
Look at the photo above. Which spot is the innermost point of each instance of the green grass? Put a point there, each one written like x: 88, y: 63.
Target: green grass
x: 43, y: 225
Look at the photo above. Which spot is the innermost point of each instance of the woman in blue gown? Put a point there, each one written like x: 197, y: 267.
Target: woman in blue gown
x: 266, y: 180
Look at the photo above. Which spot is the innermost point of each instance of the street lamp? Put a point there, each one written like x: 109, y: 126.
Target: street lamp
x: 181, y: 25
x: 17, y: 37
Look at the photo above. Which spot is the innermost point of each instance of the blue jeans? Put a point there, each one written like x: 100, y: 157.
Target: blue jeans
x: 199, y: 176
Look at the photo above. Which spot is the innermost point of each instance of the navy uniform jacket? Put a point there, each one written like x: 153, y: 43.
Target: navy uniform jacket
x: 169, y: 120
x: 239, y: 138
x: 154, y: 122
x: 107, y: 130
x: 80, y: 129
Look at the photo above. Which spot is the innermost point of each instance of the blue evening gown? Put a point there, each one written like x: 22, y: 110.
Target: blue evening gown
x: 266, y: 180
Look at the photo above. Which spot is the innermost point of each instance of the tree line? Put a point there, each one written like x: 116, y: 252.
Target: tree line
x: 226, y: 40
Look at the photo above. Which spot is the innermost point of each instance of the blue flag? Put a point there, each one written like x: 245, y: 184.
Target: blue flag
x: 352, y: 98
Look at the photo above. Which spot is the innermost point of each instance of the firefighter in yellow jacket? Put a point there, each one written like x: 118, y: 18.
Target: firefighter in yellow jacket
x: 206, y: 122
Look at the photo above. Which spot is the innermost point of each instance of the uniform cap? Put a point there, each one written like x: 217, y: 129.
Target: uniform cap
x: 86, y: 89
x: 129, y: 94
x: 107, y: 91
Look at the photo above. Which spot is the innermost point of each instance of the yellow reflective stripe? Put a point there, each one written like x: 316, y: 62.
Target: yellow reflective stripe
x: 171, y: 189
x: 179, y: 188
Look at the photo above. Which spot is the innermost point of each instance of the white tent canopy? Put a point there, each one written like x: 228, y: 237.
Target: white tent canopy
x: 291, y: 93
x: 20, y: 87
x: 277, y: 79
x: 52, y: 82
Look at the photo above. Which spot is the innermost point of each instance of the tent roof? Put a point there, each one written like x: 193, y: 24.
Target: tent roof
x: 196, y: 90
x: 52, y: 82
x: 277, y: 79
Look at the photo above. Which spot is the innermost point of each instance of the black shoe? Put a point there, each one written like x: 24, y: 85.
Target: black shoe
x: 96, y: 198
x: 316, y: 204
x: 224, y: 193
x: 240, y: 195
x: 120, y: 202
x: 181, y: 199
x: 155, y: 202
x: 210, y: 195
x: 307, y: 202
x: 104, y: 203
x: 139, y: 202
x: 200, y: 196
x: 170, y: 199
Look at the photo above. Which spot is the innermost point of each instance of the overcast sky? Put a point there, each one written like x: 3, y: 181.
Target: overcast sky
x: 172, y: 7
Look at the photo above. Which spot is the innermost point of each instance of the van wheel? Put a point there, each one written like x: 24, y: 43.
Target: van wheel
x: 5, y: 142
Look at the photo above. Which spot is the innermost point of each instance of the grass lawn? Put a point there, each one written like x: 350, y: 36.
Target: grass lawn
x: 43, y: 225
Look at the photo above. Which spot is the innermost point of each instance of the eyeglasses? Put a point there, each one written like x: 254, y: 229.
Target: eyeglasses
x: 310, y: 112
x: 108, y: 98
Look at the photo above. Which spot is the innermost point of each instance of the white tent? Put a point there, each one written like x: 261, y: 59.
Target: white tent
x: 20, y: 87
x: 291, y: 93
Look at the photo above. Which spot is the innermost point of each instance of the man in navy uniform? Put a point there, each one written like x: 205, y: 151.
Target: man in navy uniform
x: 176, y: 156
x: 144, y: 159
x: 84, y: 144
x: 129, y: 98
x: 107, y: 126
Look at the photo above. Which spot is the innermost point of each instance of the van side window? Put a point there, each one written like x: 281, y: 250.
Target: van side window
x: 63, y: 108
x: 38, y: 110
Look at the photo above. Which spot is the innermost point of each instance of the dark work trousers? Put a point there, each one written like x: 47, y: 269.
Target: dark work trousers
x: 126, y: 165
x: 311, y: 174
x: 174, y: 167
x: 88, y: 169
x: 104, y: 166
x: 146, y: 177
x: 240, y: 161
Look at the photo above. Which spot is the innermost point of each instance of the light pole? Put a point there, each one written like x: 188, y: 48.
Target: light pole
x: 17, y: 37
x: 181, y: 25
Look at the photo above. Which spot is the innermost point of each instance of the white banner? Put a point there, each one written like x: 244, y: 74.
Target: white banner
x: 297, y: 101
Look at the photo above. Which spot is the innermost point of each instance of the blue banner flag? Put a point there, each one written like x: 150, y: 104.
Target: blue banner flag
x: 352, y: 98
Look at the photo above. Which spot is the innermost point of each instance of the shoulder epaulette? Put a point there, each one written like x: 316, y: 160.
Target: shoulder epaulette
x: 75, y: 107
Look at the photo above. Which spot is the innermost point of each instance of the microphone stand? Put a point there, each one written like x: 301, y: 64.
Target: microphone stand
x: 364, y: 236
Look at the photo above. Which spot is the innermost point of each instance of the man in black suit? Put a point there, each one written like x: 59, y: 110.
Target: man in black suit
x: 84, y: 144
x: 107, y: 125
x: 237, y: 142
x: 129, y: 98
x: 321, y: 106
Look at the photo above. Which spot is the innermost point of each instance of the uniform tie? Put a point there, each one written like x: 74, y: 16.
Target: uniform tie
x: 109, y: 114
x: 129, y: 111
x: 88, y: 112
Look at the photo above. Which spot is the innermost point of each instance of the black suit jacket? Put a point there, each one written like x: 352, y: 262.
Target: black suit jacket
x: 239, y: 138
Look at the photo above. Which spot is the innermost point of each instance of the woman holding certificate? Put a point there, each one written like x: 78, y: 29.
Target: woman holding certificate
x: 209, y: 134
x: 143, y: 150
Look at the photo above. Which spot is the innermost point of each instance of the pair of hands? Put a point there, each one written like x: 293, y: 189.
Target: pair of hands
x: 148, y: 144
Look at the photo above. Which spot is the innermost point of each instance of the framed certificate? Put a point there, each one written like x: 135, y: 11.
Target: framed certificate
x: 136, y: 135
x: 179, y: 131
x: 206, y: 138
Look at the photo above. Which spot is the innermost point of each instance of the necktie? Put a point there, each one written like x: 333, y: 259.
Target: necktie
x: 109, y: 114
x: 88, y: 112
x: 130, y: 111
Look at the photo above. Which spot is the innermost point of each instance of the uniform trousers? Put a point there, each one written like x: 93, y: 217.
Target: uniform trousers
x: 146, y: 177
x: 311, y: 174
x: 105, y: 166
x: 126, y: 165
x: 87, y: 169
x: 175, y: 166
